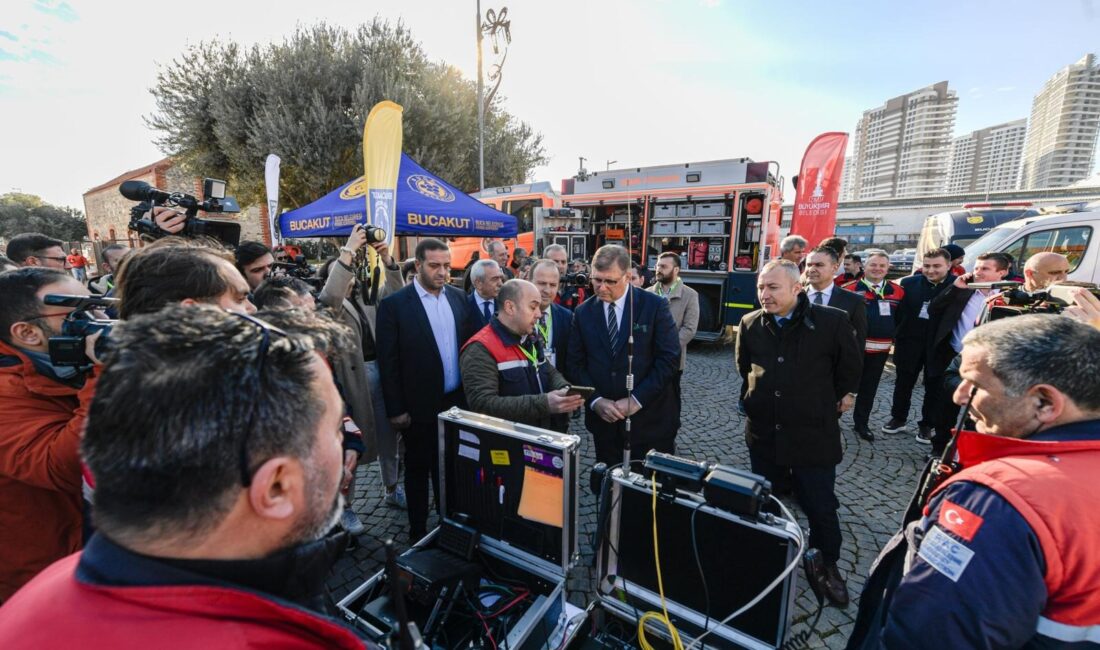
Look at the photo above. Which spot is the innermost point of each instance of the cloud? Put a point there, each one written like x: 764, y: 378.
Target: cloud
x: 8, y: 35
x: 1006, y: 89
x: 60, y: 10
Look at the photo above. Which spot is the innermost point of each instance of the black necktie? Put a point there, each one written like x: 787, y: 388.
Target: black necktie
x: 817, y: 299
x: 485, y: 310
x: 612, y: 323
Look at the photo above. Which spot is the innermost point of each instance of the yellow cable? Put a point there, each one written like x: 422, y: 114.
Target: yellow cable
x: 662, y: 616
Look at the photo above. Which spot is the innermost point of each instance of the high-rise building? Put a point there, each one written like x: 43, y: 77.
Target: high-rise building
x: 847, y: 178
x: 1065, y: 118
x: 901, y: 148
x: 987, y: 160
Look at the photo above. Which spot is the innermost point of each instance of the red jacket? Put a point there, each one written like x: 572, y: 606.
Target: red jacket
x: 40, y: 505
x: 56, y: 611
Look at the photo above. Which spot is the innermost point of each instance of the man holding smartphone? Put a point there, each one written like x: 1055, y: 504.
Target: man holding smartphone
x: 504, y: 367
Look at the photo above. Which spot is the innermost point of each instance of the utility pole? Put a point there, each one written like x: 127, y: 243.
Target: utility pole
x: 610, y: 163
x: 480, y: 108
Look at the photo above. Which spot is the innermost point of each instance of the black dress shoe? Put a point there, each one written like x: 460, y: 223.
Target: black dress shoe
x: 865, y: 433
x: 835, y: 587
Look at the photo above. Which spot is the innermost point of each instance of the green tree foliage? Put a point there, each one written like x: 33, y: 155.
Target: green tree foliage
x: 222, y: 109
x: 21, y: 213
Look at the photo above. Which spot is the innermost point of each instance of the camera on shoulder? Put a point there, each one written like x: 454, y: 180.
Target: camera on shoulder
x: 213, y: 200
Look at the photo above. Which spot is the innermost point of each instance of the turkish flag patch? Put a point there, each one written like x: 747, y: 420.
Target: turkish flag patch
x: 958, y: 520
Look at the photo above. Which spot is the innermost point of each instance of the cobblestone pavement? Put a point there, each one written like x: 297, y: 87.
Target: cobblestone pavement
x: 874, y: 483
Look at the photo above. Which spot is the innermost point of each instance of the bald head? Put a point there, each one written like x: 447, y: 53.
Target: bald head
x: 1044, y: 269
x: 519, y: 306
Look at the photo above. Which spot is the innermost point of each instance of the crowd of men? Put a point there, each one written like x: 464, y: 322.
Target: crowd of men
x: 205, y: 463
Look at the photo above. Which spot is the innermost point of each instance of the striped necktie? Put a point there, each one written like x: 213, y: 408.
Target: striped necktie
x: 612, y: 323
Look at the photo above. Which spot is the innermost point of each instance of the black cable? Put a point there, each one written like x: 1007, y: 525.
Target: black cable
x: 699, y: 564
x: 801, y: 640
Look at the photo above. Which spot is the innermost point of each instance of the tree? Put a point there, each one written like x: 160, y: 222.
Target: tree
x: 21, y: 213
x: 222, y: 110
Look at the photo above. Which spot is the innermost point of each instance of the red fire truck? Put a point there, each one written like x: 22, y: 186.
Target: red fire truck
x: 721, y: 217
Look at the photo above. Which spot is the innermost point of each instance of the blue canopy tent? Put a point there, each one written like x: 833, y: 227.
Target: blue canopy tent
x: 426, y: 205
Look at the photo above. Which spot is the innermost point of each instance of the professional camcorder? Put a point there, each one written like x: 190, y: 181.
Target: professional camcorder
x: 68, y: 349
x: 214, y: 200
x: 1051, y: 300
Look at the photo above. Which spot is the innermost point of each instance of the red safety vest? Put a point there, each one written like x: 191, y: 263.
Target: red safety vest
x: 138, y: 618
x: 1053, y: 486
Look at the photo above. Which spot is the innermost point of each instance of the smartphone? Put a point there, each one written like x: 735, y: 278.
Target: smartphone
x: 583, y: 391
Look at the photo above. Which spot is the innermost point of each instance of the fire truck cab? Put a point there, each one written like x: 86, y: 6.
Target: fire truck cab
x: 720, y: 217
x: 520, y: 201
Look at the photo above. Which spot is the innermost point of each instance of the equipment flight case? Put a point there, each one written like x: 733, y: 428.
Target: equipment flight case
x: 741, y: 551
x: 492, y: 574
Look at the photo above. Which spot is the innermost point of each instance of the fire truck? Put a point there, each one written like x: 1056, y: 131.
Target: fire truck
x: 520, y: 201
x: 721, y: 218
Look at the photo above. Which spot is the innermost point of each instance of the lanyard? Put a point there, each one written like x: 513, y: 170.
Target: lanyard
x: 670, y: 289
x: 544, y: 330
x: 532, y: 356
x: 880, y: 293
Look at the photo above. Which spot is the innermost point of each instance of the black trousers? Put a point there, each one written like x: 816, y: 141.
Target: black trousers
x: 422, y: 466
x: 909, y: 359
x: 868, y: 386
x: 815, y: 493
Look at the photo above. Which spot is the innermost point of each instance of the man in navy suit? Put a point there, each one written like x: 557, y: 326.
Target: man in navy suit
x: 557, y: 321
x: 420, y: 330
x: 487, y: 278
x: 598, y: 358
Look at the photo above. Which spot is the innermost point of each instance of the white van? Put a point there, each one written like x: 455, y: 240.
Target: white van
x: 1071, y: 234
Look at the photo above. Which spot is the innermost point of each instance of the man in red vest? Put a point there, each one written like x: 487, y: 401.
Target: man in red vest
x: 1006, y: 554
x: 214, y: 498
x: 504, y: 367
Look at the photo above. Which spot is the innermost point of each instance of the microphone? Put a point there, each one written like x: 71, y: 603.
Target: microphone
x: 142, y: 191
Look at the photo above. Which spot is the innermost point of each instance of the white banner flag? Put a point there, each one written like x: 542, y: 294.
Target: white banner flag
x: 271, y: 175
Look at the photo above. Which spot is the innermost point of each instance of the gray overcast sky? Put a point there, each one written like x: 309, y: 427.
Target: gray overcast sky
x: 641, y: 83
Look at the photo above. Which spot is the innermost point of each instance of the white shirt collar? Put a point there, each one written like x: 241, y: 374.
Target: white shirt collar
x: 826, y: 293
x: 620, y: 304
x: 424, y: 293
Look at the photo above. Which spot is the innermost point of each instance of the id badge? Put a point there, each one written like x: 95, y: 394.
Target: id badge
x: 883, y: 308
x: 924, y: 310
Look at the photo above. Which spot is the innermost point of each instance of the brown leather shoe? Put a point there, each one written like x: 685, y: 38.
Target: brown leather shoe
x: 835, y: 587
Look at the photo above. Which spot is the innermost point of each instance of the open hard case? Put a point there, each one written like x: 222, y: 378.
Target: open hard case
x: 513, y: 490
x: 740, y: 556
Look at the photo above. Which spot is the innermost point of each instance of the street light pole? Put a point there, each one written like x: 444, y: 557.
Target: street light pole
x: 480, y: 108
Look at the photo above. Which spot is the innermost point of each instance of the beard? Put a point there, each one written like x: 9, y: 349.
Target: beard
x: 322, y: 513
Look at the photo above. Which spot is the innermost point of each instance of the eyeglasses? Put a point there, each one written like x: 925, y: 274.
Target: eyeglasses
x: 261, y: 363
x: 601, y: 281
x: 51, y: 257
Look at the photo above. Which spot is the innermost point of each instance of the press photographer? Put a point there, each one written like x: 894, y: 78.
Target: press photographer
x: 1014, y: 526
x: 255, y: 261
x: 44, y: 407
x: 213, y: 500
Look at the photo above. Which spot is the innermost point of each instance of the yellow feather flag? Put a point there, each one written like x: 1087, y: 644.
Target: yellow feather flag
x: 381, y: 164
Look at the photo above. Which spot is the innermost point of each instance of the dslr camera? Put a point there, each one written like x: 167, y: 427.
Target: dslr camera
x: 574, y: 280
x: 213, y: 200
x: 68, y: 348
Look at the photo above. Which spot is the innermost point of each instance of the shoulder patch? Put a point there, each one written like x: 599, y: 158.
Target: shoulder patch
x: 945, y: 554
x: 957, y: 519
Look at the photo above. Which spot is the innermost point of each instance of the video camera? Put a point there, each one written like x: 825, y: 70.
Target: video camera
x: 68, y: 349
x: 1051, y: 300
x: 301, y: 270
x: 213, y: 200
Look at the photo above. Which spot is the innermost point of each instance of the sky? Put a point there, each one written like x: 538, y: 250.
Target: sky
x: 637, y: 83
